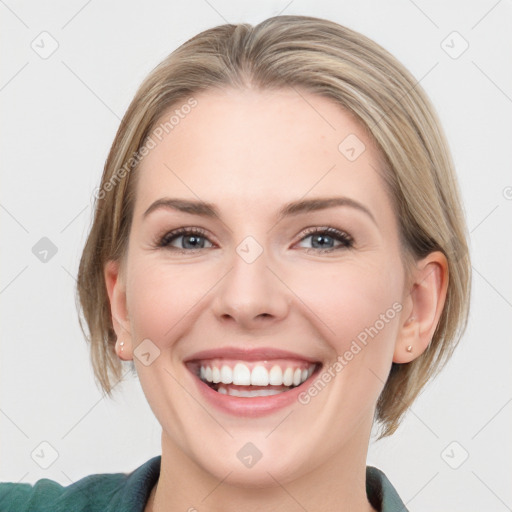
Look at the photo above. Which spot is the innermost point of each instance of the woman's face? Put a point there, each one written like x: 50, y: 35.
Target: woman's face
x: 269, y: 282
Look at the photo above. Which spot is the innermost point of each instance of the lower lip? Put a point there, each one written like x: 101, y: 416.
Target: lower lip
x: 254, y: 406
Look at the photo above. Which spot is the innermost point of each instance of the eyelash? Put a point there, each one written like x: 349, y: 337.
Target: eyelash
x: 347, y: 242
x: 169, y: 237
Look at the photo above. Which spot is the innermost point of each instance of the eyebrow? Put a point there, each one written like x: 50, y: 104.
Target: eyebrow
x: 209, y: 210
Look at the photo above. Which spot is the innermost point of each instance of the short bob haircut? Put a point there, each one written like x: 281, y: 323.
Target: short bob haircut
x: 321, y: 57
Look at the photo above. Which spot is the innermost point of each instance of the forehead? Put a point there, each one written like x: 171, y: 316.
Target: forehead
x: 251, y: 147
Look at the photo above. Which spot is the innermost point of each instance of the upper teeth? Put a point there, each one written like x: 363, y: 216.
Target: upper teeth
x: 241, y: 375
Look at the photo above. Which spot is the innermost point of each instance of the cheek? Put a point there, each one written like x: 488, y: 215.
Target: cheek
x: 354, y: 302
x: 160, y: 297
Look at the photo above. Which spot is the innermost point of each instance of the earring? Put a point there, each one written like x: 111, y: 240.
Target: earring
x: 411, y: 320
x: 120, y: 348
x: 409, y: 348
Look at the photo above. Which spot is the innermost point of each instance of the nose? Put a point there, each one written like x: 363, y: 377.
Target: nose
x: 251, y: 295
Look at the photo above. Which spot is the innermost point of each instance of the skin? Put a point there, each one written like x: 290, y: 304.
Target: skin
x: 249, y: 153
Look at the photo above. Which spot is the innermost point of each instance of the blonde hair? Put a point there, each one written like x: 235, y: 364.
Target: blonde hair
x: 332, y: 61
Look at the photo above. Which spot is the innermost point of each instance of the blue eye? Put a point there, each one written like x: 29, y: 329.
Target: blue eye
x: 188, y: 239
x: 325, y: 239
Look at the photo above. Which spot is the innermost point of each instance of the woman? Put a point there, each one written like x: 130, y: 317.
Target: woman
x: 279, y: 248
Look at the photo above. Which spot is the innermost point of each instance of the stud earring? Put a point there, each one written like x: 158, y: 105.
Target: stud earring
x: 409, y: 348
x: 411, y: 320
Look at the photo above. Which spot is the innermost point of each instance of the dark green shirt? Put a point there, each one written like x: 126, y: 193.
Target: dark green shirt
x: 120, y: 492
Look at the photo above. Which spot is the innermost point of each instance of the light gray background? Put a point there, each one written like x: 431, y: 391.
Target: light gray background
x: 59, y: 117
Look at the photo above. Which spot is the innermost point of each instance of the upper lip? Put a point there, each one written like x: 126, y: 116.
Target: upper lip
x: 248, y: 354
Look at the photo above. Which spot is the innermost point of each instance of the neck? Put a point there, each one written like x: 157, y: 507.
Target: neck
x: 339, y: 484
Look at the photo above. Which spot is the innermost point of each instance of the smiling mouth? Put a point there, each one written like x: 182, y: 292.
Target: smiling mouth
x: 248, y: 379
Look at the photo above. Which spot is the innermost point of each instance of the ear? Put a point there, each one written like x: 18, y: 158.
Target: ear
x: 116, y: 289
x: 427, y: 297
